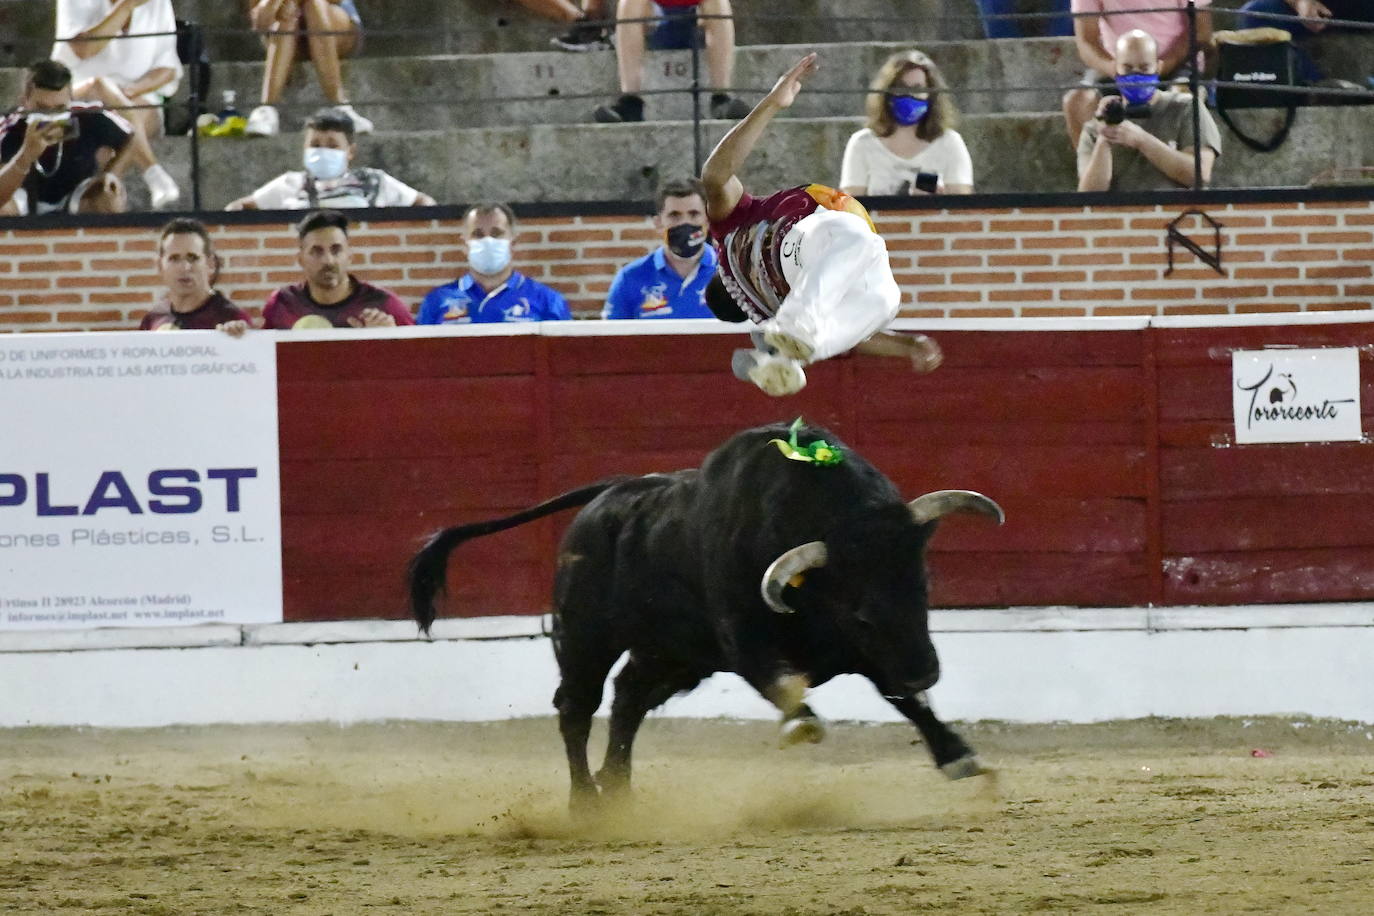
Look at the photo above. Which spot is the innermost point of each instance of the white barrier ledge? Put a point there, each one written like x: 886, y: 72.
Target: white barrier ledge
x: 995, y: 620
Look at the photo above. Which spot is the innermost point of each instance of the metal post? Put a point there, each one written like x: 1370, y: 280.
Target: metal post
x: 194, y: 104
x: 697, y: 157
x: 1194, y: 86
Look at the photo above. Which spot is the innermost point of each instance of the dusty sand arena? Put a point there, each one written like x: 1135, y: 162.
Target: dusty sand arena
x: 1156, y: 816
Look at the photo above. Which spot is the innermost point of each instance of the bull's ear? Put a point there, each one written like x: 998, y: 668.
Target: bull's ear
x: 791, y: 565
x: 932, y: 506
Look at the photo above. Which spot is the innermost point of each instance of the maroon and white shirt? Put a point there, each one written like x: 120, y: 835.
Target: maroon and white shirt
x: 752, y: 243
x: 210, y: 314
x: 287, y: 307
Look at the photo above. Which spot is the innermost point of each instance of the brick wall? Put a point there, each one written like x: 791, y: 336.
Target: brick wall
x: 1024, y: 262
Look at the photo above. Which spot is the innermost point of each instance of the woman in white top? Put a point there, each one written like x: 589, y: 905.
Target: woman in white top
x: 910, y: 132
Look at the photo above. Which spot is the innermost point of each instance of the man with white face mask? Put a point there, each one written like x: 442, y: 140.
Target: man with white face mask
x: 329, y: 179
x: 492, y: 290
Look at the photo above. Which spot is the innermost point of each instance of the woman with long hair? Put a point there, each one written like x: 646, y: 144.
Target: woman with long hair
x: 910, y: 145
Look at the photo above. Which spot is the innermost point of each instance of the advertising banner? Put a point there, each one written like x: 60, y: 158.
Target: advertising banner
x: 139, y: 481
x: 1292, y: 395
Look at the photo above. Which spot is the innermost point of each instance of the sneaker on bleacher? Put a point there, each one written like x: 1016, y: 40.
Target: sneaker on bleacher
x: 263, y: 121
x: 628, y: 108
x: 361, y: 125
x: 584, y: 36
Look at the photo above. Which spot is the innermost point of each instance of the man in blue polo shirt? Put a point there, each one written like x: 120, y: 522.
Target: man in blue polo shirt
x: 491, y: 290
x: 670, y: 281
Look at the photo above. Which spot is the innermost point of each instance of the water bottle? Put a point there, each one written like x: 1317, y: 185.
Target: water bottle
x: 229, y: 111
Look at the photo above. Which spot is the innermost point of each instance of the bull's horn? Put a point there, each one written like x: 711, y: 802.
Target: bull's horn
x: 782, y: 570
x: 931, y: 506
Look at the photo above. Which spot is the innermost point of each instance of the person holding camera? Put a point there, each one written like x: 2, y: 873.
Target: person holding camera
x: 910, y: 145
x: 1143, y: 139
x: 61, y: 157
x: 806, y: 264
x: 1098, y: 25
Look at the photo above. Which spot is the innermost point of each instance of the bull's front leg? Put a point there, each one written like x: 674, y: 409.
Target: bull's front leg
x: 952, y: 754
x: 800, y: 724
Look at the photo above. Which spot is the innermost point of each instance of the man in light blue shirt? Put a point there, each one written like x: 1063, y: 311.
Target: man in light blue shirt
x: 491, y: 291
x: 670, y: 281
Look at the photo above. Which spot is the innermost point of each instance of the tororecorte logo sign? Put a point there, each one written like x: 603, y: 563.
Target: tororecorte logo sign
x: 1296, y: 395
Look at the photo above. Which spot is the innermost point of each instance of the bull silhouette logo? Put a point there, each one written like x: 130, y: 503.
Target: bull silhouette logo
x: 1277, y: 393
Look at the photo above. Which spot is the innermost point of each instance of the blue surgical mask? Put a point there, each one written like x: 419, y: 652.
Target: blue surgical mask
x: 323, y: 163
x: 1137, y: 88
x: 907, y: 110
x: 488, y: 255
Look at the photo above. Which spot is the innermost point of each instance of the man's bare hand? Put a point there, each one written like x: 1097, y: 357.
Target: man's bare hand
x: 784, y: 92
x: 1312, y: 9
x: 233, y: 328
x: 1127, y: 133
x: 38, y: 139
x: 373, y: 318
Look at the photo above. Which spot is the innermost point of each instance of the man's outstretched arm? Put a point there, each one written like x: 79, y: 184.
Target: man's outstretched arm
x: 720, y: 174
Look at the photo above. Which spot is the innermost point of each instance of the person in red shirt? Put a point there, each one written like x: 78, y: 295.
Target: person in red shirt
x: 330, y: 296
x: 805, y: 264
x: 189, y: 266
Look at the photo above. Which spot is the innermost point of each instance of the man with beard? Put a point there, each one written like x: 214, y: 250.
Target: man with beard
x: 330, y: 296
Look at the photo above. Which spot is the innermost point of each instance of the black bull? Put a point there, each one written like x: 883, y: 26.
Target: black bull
x: 784, y: 572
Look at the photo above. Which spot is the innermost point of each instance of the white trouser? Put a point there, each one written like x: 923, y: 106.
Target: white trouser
x: 842, y: 287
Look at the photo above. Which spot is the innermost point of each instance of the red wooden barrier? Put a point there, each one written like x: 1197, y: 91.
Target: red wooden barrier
x: 1110, y: 451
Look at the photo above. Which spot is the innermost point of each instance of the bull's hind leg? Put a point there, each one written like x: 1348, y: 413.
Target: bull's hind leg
x: 584, y: 666
x: 952, y: 754
x: 639, y: 687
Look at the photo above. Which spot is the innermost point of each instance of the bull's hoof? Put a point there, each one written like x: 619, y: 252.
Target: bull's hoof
x: 965, y: 767
x: 801, y: 730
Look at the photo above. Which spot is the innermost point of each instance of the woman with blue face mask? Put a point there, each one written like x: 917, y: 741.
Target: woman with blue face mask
x: 909, y: 145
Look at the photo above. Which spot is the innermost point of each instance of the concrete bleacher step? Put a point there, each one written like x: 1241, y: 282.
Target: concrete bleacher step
x: 572, y: 162
x: 484, y: 26
x: 479, y: 90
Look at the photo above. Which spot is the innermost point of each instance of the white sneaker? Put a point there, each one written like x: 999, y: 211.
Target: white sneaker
x: 162, y: 189
x: 361, y: 125
x: 263, y: 121
x: 789, y: 346
x: 775, y: 374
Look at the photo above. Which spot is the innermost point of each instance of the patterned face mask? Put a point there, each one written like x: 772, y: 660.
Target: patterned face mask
x: 1137, y: 88
x: 907, y: 110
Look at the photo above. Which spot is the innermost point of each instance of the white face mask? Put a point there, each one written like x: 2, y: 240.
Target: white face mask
x: 323, y: 163
x: 488, y: 255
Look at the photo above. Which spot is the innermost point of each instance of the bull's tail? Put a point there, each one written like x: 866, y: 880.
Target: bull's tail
x: 426, y: 572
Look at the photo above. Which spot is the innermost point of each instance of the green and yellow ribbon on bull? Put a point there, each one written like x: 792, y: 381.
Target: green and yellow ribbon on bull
x: 820, y: 452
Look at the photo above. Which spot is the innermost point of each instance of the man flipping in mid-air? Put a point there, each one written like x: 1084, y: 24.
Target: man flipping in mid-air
x: 804, y: 264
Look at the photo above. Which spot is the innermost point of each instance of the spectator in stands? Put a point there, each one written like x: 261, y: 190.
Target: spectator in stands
x: 1352, y: 10
x: 910, y: 134
x: 670, y: 281
x: 333, y: 29
x: 1153, y: 149
x: 59, y: 156
x: 491, y: 290
x: 1058, y: 26
x: 330, y: 296
x: 1096, y: 36
x: 328, y: 180
x: 589, y: 31
x: 677, y: 29
x: 121, y: 72
x: 189, y: 266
